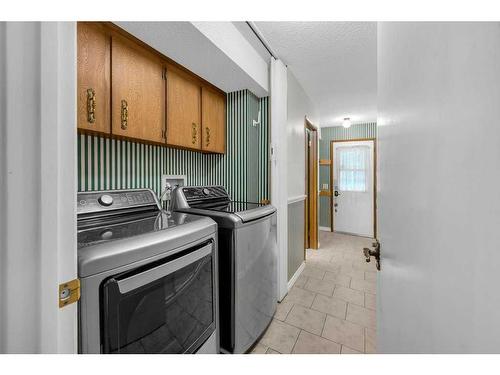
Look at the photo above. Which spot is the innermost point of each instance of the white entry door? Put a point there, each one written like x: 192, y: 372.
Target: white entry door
x: 353, y: 185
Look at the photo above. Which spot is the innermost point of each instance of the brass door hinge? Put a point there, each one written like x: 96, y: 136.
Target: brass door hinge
x: 69, y: 292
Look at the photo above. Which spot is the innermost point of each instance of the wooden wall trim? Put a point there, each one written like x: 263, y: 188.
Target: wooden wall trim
x: 311, y: 206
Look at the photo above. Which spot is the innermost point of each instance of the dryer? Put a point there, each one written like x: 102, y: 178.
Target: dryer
x: 148, y: 276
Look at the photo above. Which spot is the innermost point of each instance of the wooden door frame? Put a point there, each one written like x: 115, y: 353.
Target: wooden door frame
x: 311, y: 185
x: 374, y: 140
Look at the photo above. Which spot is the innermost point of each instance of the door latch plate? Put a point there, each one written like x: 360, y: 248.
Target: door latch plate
x: 69, y: 292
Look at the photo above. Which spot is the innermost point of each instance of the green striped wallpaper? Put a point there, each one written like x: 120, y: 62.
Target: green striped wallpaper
x: 105, y: 163
x: 337, y: 133
x: 264, y: 141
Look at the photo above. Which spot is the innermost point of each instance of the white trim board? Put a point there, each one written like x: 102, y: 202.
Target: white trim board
x: 296, y: 275
x: 296, y: 199
x: 279, y: 188
x: 39, y: 252
x: 326, y: 229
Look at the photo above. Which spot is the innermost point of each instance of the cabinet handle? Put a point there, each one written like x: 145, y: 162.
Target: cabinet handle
x: 124, y: 115
x: 91, y: 102
x: 193, y: 133
x: 207, y: 129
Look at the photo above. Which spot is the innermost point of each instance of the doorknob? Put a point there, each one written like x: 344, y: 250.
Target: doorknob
x: 375, y: 252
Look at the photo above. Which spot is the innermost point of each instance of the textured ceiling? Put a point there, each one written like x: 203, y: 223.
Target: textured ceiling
x: 335, y: 62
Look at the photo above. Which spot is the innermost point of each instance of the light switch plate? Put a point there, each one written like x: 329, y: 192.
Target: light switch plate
x: 174, y: 180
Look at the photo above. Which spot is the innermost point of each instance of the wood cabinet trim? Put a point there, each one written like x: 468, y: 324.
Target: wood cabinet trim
x: 183, y: 97
x: 142, y: 98
x: 94, y: 73
x: 213, y: 117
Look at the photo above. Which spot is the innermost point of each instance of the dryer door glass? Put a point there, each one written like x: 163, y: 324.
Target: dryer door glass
x: 166, y: 307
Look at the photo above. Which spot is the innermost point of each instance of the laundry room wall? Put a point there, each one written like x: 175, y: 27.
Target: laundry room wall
x: 106, y: 163
x: 299, y: 105
x: 337, y: 133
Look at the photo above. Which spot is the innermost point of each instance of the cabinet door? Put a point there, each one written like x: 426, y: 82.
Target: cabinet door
x: 183, y: 110
x: 138, y: 92
x: 213, y: 120
x: 93, y: 77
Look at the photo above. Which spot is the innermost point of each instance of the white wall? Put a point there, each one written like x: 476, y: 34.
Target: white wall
x: 37, y: 186
x: 298, y: 106
x: 439, y: 201
x: 230, y: 41
x: 279, y: 166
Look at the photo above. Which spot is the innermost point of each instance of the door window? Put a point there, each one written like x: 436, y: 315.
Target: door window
x: 352, y: 168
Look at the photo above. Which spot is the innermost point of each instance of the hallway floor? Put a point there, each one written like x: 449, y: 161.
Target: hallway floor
x: 331, y: 307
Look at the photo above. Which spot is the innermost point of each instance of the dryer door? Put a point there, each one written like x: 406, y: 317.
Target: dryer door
x: 165, y: 307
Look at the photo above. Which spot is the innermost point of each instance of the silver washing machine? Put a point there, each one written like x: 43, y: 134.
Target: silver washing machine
x: 247, y: 253
x: 148, y: 277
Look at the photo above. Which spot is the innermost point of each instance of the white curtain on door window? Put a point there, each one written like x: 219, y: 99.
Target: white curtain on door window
x: 353, y: 165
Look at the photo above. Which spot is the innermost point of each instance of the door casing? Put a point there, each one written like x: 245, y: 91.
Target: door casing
x: 311, y: 185
x: 332, y: 161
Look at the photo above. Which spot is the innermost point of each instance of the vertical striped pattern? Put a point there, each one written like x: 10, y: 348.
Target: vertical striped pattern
x: 105, y: 163
x: 264, y: 138
x: 337, y: 133
x: 234, y: 165
x: 252, y: 149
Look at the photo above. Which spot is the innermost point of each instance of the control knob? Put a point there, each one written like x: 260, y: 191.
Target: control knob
x: 206, y: 191
x: 106, y: 200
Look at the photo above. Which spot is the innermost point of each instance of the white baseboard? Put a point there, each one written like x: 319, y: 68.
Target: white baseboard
x: 296, y: 275
x: 326, y: 229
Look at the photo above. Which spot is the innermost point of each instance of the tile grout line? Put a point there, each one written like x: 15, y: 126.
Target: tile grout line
x: 325, y: 264
x: 293, y: 305
x: 297, y: 339
x: 364, y: 334
x: 324, y: 324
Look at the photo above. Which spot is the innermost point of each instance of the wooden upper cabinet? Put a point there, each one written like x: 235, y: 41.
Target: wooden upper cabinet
x: 93, y: 78
x: 138, y: 95
x: 183, y: 110
x: 213, y: 120
x: 127, y: 89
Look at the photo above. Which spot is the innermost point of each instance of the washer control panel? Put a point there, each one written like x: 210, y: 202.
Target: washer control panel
x: 98, y: 201
x: 105, y: 200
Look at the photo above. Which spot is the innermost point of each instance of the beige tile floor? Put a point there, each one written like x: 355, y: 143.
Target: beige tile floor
x: 331, y: 307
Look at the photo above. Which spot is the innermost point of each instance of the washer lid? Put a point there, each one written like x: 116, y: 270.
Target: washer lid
x: 256, y: 213
x: 121, y: 227
x: 228, y: 206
